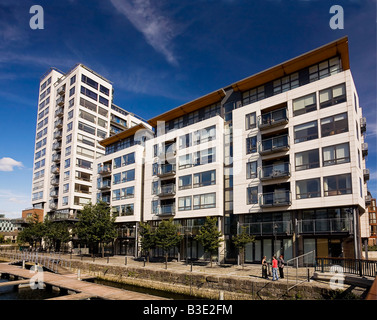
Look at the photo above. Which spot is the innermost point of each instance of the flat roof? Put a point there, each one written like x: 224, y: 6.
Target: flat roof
x: 123, y: 134
x: 337, y: 47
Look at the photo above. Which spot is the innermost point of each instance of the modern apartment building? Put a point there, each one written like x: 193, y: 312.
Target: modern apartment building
x: 75, y: 112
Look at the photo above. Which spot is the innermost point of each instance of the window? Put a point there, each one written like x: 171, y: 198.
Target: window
x: 102, y: 123
x: 66, y: 175
x: 154, y: 169
x: 204, y: 135
x: 117, y: 162
x: 89, y: 93
x: 70, y: 115
x: 361, y: 188
x: 305, y: 132
x: 128, y: 175
x: 357, y: 130
x: 71, y: 103
x: 84, y: 164
x: 204, y: 201
x: 185, y: 161
x: 85, y: 152
x: 66, y: 188
x: 308, y: 188
x: 101, y: 134
x: 72, y: 91
x: 72, y: 80
x: 251, y: 145
x: 184, y: 203
x: 154, y: 206
x: 337, y: 185
x: 185, y: 141
x: 116, y: 178
x: 89, y: 82
x: 104, y: 90
x: 65, y: 201
x: 251, y: 121
x: 205, y: 156
x: 359, y: 158
x: 203, y: 179
x: 104, y: 112
x: 325, y: 69
x: 336, y: 154
x: 252, y: 195
x: 128, y: 159
x: 185, y: 182
x: 307, y: 160
x: 286, y: 83
x: 127, y: 193
x: 304, y: 104
x: 86, y: 140
x: 251, y: 170
x: 87, y: 104
x: 154, y: 187
x: 87, y: 116
x: 67, y: 163
x: 253, y: 95
x: 332, y: 96
x: 69, y: 126
x: 104, y: 101
x: 87, y: 128
x: 334, y: 125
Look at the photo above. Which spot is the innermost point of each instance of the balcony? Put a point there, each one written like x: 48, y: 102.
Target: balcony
x: 54, y: 193
x: 59, y: 112
x: 368, y: 200
x: 325, y: 226
x: 106, y: 199
x: 58, y: 124
x: 166, y: 190
x: 60, y: 101
x: 104, y: 170
x: 126, y: 233
x: 275, y: 171
x: 366, y: 174
x: 189, y: 230
x: 275, y: 199
x: 363, y: 124
x: 275, y: 144
x: 55, y: 169
x: 56, y: 146
x: 166, y: 210
x: 165, y: 170
x: 62, y: 216
x: 58, y: 134
x: 267, y: 228
x: 106, y: 184
x: 364, y: 149
x: 56, y: 157
x: 53, y: 205
x: 55, y: 182
x: 273, y: 119
x: 61, y: 90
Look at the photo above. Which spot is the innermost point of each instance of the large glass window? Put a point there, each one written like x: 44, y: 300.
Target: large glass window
x: 185, y: 182
x: 204, y: 178
x: 204, y: 135
x: 89, y: 93
x: 251, y: 170
x: 334, y: 125
x: 304, y: 104
x: 205, y: 201
x: 251, y: 145
x: 251, y: 121
x: 252, y: 195
x: 336, y: 154
x: 128, y: 175
x: 305, y: 132
x: 89, y: 82
x: 205, y: 156
x: 184, y: 203
x: 185, y: 161
x: 332, y: 96
x: 185, y: 141
x: 337, y: 185
x: 307, y: 160
x: 310, y: 188
x: 325, y: 69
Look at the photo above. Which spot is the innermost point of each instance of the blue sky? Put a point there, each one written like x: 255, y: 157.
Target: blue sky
x: 161, y: 54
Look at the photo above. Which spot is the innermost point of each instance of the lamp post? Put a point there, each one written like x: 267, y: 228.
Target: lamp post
x: 275, y: 226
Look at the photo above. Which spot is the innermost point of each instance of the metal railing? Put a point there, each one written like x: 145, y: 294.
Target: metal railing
x: 273, y: 118
x: 267, y: 228
x: 317, y: 226
x: 275, y: 144
x: 274, y: 199
x: 352, y: 266
x: 275, y: 171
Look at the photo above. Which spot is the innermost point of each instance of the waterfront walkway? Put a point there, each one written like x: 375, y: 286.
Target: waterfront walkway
x: 80, y: 290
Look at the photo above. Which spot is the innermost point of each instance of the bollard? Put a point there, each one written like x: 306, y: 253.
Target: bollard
x: 78, y: 274
x: 23, y: 264
x: 125, y: 260
x: 144, y: 262
x: 221, y: 295
x: 191, y: 266
x: 107, y: 259
x: 308, y: 275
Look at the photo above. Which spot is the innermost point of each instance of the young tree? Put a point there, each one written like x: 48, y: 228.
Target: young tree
x: 167, y: 237
x: 33, y: 233
x: 209, y: 236
x: 56, y: 234
x: 96, y: 225
x: 147, y: 238
x: 241, y: 240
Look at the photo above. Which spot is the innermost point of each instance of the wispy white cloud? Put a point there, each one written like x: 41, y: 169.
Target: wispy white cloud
x: 8, y: 164
x: 158, y: 30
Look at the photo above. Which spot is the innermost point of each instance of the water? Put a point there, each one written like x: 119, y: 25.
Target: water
x: 9, y: 293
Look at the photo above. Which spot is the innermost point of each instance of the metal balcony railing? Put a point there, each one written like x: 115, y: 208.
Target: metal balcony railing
x: 59, y: 112
x: 325, y: 226
x: 60, y: 101
x: 126, y: 233
x: 275, y: 144
x: 61, y: 90
x: 366, y: 174
x: 104, y: 170
x: 55, y: 169
x: 267, y: 228
x: 166, y: 170
x: 363, y: 124
x: 58, y: 134
x: 106, y: 184
x: 364, y: 149
x: 368, y: 200
x: 56, y: 146
x: 55, y: 182
x: 58, y: 124
x: 166, y: 190
x: 275, y: 199
x: 275, y: 171
x: 53, y: 205
x: 166, y: 210
x: 189, y: 230
x: 273, y: 119
x: 54, y: 194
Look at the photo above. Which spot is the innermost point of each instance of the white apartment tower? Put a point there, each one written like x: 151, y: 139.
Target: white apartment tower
x: 75, y: 112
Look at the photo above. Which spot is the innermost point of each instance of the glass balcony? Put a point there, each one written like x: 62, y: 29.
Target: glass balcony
x: 54, y: 193
x: 275, y: 144
x: 58, y: 124
x: 56, y: 146
x: 166, y: 170
x: 126, y: 233
x: 166, y: 210
x: 275, y: 199
x: 366, y: 174
x: 58, y: 134
x: 273, y: 119
x: 56, y: 157
x: 325, y: 226
x: 166, y: 190
x: 106, y: 184
x: 61, y: 90
x: 106, y: 199
x: 363, y: 124
x: 104, y: 170
x: 267, y: 228
x: 364, y: 149
x: 55, y: 181
x: 55, y: 169
x: 368, y: 200
x: 59, y: 112
x: 276, y: 171
x: 53, y: 205
x: 189, y: 230
x: 60, y: 101
x: 62, y: 216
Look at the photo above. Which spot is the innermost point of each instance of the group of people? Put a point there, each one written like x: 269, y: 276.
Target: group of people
x: 276, y: 264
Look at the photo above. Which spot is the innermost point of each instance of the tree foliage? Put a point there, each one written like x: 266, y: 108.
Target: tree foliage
x: 209, y: 236
x: 147, y: 238
x: 241, y: 240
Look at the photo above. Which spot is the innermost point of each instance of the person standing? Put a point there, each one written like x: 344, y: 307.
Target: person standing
x: 274, y: 269
x: 264, y: 268
x: 281, y: 263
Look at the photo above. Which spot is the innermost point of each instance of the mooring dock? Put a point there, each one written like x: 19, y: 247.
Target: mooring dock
x: 76, y: 289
